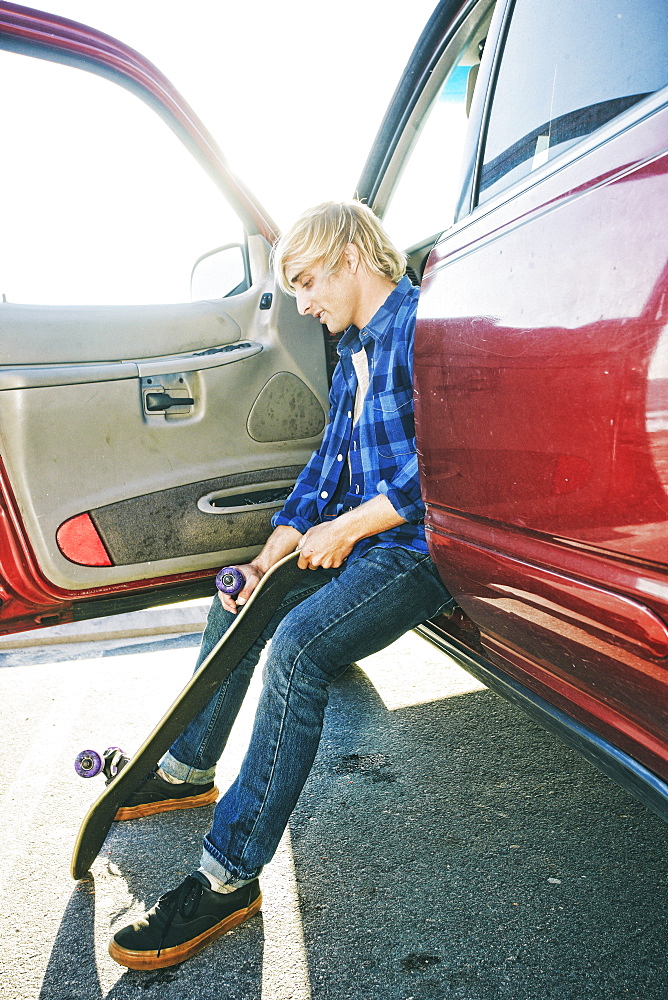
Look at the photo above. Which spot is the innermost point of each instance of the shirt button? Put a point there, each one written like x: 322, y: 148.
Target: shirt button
x: 324, y: 494
x: 350, y: 413
x: 339, y: 458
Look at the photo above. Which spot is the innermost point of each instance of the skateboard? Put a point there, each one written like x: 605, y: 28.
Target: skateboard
x: 89, y: 763
x: 249, y: 623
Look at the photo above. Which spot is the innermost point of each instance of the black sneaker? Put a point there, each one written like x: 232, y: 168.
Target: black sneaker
x: 183, y: 922
x: 156, y: 795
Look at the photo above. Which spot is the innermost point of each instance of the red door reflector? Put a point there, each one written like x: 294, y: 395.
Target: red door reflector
x: 79, y: 541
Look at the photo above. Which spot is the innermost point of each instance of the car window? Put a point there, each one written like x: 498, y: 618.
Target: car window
x: 434, y: 167
x: 567, y: 69
x: 103, y: 204
x: 426, y: 195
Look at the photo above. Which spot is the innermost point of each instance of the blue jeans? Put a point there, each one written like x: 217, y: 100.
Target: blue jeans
x: 332, y: 618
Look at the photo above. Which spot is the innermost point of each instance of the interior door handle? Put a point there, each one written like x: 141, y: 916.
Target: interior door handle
x: 163, y: 401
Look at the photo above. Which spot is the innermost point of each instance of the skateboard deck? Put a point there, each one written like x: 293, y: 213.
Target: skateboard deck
x: 249, y: 623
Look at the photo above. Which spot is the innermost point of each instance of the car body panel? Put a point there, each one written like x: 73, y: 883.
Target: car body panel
x: 545, y: 482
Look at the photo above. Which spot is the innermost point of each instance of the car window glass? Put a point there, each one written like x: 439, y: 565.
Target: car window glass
x: 566, y: 69
x: 434, y: 167
x: 107, y: 206
x: 426, y: 195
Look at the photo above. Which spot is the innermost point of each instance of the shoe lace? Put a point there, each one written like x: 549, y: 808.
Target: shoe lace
x: 183, y: 900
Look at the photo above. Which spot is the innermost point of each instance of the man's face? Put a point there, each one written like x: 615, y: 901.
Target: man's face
x: 332, y: 298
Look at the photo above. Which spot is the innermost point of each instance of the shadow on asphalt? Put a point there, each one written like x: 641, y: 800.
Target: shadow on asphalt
x: 444, y: 850
x: 483, y: 859
x: 75, y: 937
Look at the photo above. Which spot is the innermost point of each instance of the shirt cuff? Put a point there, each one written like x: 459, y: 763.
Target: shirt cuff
x: 411, y: 510
x: 300, y: 523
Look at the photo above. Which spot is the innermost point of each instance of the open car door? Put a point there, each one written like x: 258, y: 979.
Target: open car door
x: 142, y: 445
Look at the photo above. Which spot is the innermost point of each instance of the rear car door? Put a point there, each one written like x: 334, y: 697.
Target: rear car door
x: 145, y: 438
x: 541, y: 366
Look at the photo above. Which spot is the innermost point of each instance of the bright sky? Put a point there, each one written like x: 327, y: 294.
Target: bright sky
x: 293, y: 94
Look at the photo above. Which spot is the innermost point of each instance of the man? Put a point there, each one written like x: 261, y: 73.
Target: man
x: 355, y: 515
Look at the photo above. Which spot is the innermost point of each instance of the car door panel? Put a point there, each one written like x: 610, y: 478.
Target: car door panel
x: 141, y: 445
x: 36, y: 335
x: 77, y: 440
x: 545, y: 368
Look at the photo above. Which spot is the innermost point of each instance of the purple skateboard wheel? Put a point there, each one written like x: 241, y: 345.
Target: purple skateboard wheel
x: 230, y: 580
x: 88, y: 763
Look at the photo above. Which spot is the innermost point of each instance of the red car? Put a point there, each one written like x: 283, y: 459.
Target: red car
x: 523, y: 162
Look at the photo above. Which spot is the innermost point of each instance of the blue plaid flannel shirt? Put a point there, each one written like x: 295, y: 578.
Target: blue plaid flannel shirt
x: 378, y: 454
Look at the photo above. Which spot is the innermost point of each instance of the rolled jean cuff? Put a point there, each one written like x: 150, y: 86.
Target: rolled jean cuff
x: 229, y: 876
x: 175, y: 769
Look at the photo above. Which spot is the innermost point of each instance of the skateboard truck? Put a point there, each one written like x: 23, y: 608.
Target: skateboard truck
x: 88, y: 763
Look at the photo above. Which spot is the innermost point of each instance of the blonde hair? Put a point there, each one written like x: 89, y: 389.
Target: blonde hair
x: 321, y: 235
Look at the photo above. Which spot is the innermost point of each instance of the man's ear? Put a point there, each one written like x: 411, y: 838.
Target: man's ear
x: 351, y: 256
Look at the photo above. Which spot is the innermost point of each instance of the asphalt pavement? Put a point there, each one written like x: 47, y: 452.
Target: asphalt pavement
x: 444, y: 846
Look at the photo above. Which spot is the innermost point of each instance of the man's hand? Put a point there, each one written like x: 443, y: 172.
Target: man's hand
x: 281, y: 542
x: 252, y: 576
x: 326, y: 545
